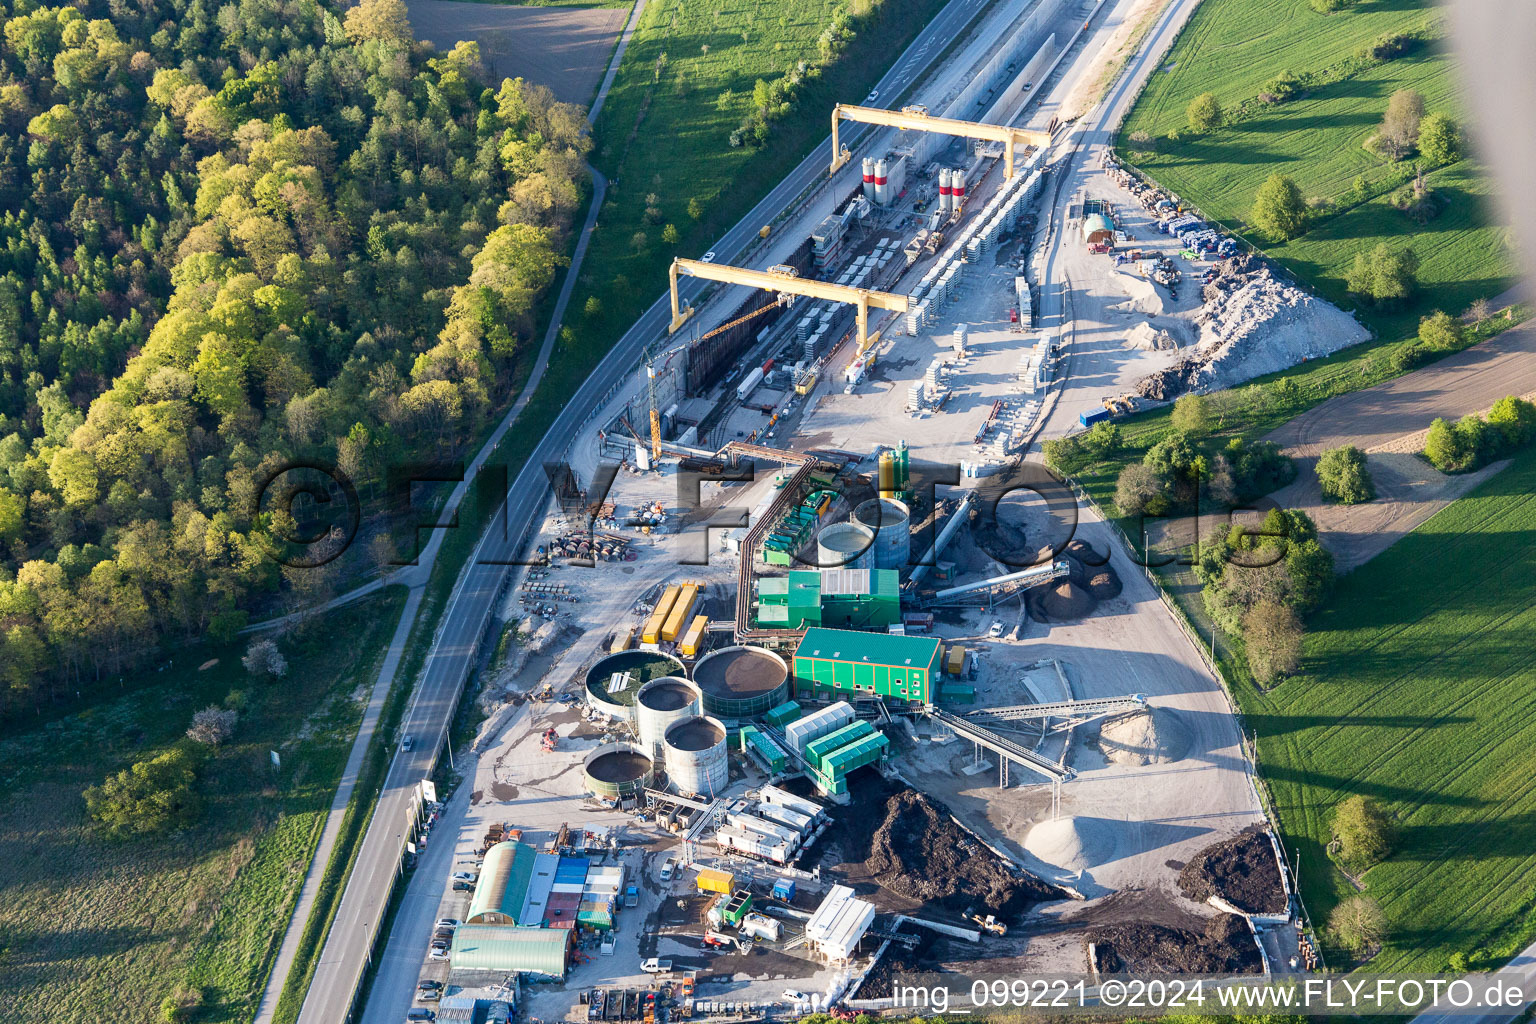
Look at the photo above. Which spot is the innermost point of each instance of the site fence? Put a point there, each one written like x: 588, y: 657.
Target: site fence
x: 1213, y: 664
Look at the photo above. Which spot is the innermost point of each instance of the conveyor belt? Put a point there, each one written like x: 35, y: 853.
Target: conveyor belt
x: 1063, y: 708
x: 1003, y: 747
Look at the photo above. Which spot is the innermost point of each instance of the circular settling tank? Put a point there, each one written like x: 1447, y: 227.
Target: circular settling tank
x: 659, y: 704
x: 889, y: 519
x: 610, y: 692
x: 740, y: 682
x: 617, y: 771
x: 845, y: 546
x: 696, y: 762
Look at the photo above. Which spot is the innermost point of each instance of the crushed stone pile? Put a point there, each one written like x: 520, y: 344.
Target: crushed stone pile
x: 1252, y: 323
x: 1241, y: 870
x: 1143, y: 296
x: 1225, y: 947
x: 1147, y: 338
x: 1072, y: 843
x: 1147, y: 736
x: 918, y: 851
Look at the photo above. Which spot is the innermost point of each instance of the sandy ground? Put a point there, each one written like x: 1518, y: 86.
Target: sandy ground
x: 565, y: 48
x: 1388, y: 422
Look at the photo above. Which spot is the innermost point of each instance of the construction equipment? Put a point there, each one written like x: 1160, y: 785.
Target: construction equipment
x: 918, y: 118
x: 863, y: 298
x: 547, y: 741
x: 990, y: 923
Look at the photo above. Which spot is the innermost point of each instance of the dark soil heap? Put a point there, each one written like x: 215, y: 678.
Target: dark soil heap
x: 1226, y: 947
x: 1090, y: 579
x: 919, y: 852
x: 1241, y: 870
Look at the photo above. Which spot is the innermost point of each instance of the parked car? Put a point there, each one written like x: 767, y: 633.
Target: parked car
x: 793, y: 995
x: 655, y: 966
x: 438, y: 953
x: 429, y: 991
x: 419, y: 1013
x: 445, y: 934
x: 463, y: 876
x: 448, y: 922
x: 666, y: 870
x: 407, y: 742
x: 997, y: 629
x: 459, y: 885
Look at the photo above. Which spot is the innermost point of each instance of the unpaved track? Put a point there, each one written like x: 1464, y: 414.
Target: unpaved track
x: 565, y: 48
x: 1408, y: 490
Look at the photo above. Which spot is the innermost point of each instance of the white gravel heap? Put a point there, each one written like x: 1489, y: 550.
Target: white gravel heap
x: 1149, y: 736
x: 1267, y: 325
x: 1071, y: 844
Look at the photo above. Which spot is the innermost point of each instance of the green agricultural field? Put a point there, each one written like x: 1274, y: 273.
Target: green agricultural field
x: 1419, y: 691
x: 96, y: 929
x: 1233, y: 48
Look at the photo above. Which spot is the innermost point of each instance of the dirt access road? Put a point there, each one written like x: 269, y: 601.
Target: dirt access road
x: 565, y: 48
x: 1384, y: 421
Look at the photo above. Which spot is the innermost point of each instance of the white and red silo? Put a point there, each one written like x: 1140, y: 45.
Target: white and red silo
x: 869, y: 179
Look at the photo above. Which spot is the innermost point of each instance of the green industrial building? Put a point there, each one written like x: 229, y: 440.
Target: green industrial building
x: 840, y: 598
x: 765, y: 748
x: 544, y: 952
x: 842, y: 664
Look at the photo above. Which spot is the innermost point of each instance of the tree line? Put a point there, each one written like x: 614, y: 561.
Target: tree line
x: 235, y: 236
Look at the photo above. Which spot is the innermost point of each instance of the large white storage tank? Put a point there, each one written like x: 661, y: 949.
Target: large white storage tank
x: 695, y: 756
x: 845, y: 546
x: 659, y: 704
x: 889, y: 520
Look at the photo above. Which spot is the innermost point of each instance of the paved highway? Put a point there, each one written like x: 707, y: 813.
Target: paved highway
x: 358, y: 918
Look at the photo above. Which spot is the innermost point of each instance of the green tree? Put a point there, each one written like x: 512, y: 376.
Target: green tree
x: 1441, y: 331
x: 151, y: 797
x: 11, y: 522
x: 1364, y: 832
x: 1344, y: 477
x: 1272, y: 640
x: 1514, y: 419
x: 1136, y: 489
x: 1279, y: 209
x: 1192, y: 415
x: 1385, y: 276
x: 1443, y: 446
x: 1399, y: 131
x: 1204, y: 113
x: 1358, y: 924
x: 669, y: 235
x: 1439, y: 140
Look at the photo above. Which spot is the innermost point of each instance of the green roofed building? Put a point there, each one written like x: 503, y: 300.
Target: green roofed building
x: 503, y: 884
x: 842, y: 664
x: 506, y: 948
x: 843, y: 598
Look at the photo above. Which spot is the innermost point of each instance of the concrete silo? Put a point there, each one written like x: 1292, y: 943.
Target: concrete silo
x: 845, y: 546
x: 659, y: 704
x: 889, y: 520
x: 695, y: 754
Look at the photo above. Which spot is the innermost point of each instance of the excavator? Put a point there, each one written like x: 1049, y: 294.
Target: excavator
x: 989, y: 924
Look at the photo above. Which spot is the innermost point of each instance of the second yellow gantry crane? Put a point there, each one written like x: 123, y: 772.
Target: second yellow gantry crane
x: 917, y: 118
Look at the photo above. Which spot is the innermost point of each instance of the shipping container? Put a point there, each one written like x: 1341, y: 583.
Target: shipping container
x: 693, y: 639
x: 715, y: 880
x: 652, y: 632
x: 683, y: 608
x: 1093, y: 416
x: 622, y: 640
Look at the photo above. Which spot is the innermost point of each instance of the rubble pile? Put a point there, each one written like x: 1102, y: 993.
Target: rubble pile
x: 1225, y: 947
x: 1252, y: 323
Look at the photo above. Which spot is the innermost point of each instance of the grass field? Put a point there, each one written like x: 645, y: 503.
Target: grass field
x: 1232, y: 48
x: 99, y: 930
x: 1419, y: 690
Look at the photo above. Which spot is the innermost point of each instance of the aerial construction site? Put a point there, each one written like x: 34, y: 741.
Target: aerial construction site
x: 816, y: 678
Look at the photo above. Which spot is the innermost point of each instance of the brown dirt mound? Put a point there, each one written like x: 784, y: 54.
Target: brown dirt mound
x: 1105, y: 584
x: 1225, y: 947
x: 1241, y: 870
x: 918, y: 851
x: 898, y: 962
x: 1064, y: 602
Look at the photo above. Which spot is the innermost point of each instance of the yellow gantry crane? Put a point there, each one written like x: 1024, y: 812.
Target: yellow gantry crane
x: 784, y: 279
x: 917, y: 118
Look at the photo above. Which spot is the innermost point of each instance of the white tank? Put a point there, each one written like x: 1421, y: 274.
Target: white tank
x: 869, y: 179
x: 695, y: 756
x: 957, y: 189
x: 882, y: 195
x: 943, y: 189
x: 845, y: 546
x: 661, y: 703
x: 888, y: 519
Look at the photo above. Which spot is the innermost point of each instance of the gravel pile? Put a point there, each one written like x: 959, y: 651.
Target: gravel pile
x: 1072, y: 843
x: 1148, y: 736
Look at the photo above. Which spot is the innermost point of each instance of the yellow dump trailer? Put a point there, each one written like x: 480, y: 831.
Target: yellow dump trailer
x: 714, y: 880
x: 658, y: 619
x: 677, y: 618
x: 694, y: 638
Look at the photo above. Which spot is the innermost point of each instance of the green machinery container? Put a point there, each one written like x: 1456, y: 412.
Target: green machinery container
x: 957, y: 693
x: 817, y: 750
x: 840, y: 763
x: 782, y: 715
x: 736, y: 907
x: 772, y: 756
x: 839, y: 664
